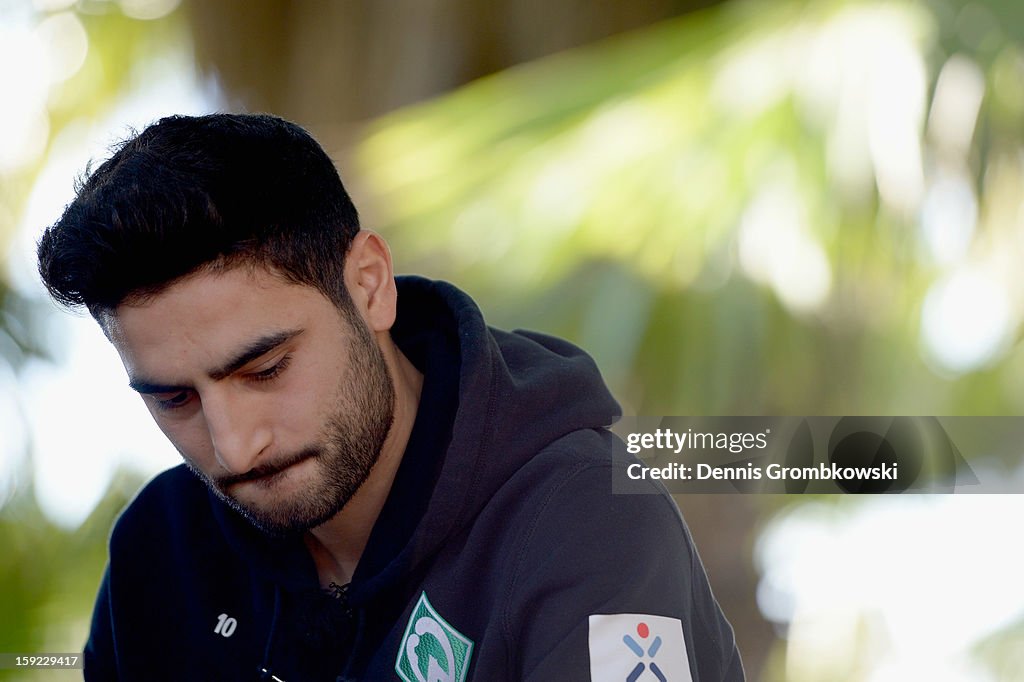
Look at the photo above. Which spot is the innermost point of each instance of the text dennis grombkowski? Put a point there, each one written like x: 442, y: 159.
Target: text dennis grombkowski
x: 676, y: 442
x: 753, y: 472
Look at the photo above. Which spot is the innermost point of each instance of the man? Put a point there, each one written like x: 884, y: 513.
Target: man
x: 376, y: 486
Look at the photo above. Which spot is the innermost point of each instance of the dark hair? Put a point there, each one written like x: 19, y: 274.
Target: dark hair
x: 193, y: 192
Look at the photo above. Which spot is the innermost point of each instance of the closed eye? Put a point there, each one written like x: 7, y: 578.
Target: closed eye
x: 173, y: 402
x: 271, y: 372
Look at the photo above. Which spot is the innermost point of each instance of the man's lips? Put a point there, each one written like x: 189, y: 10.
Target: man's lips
x: 265, y: 473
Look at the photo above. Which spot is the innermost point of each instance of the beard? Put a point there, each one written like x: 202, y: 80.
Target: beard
x: 346, y: 451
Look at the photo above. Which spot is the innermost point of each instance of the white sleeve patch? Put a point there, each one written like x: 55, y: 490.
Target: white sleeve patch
x: 637, y: 647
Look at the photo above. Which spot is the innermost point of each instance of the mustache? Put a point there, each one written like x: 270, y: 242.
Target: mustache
x: 268, y: 469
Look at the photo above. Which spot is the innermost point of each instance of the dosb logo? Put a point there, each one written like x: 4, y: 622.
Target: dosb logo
x: 637, y: 647
x: 431, y: 649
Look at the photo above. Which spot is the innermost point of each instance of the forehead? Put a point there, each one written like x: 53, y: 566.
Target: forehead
x: 208, y: 313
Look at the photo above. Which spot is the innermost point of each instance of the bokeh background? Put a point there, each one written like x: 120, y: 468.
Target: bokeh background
x: 737, y: 207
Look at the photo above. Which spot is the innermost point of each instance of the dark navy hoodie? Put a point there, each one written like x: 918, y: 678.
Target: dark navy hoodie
x: 501, y: 517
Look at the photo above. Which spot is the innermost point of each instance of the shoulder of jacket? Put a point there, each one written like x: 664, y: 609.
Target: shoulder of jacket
x: 568, y: 485
x: 585, y: 550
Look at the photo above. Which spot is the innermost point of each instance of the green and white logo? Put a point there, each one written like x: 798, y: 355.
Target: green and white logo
x: 431, y: 649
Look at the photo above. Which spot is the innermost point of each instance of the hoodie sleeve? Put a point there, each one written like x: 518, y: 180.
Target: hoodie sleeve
x: 98, y: 658
x: 610, y: 587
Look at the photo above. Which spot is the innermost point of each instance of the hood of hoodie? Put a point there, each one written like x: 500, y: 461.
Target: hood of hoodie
x: 518, y: 392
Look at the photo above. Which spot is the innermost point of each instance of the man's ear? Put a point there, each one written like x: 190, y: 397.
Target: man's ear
x: 370, y: 279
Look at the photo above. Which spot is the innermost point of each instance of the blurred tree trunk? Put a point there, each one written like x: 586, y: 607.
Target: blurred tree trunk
x: 330, y: 65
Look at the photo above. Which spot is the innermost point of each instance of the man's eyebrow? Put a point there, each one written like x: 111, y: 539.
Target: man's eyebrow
x: 253, y: 350
x: 149, y: 387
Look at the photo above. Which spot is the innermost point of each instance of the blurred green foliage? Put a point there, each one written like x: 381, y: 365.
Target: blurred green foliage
x: 716, y: 208
x: 49, y: 576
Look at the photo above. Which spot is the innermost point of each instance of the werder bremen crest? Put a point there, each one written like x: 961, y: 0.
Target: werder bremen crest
x: 431, y: 649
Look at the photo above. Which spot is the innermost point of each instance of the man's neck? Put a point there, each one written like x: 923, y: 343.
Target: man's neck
x: 337, y: 545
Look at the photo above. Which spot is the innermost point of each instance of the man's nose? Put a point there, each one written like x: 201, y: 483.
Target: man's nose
x: 237, y: 432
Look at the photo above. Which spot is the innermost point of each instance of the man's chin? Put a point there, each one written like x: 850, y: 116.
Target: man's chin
x: 294, y: 514
x: 276, y: 520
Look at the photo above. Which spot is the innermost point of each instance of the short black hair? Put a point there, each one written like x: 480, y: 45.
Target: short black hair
x: 193, y: 192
